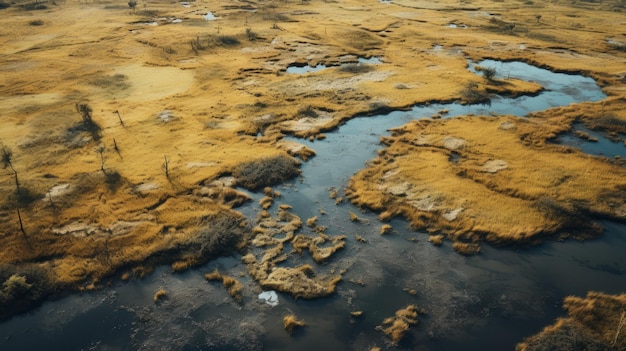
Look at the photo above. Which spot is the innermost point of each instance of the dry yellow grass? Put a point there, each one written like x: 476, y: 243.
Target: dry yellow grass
x: 395, y: 327
x: 291, y: 322
x: 385, y: 229
x: 235, y: 288
x: 160, y: 295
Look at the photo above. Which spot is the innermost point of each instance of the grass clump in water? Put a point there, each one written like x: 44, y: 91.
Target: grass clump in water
x: 291, y: 322
x: 266, y: 171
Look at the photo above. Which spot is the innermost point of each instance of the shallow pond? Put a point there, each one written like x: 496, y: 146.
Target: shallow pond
x: 594, y: 143
x: 486, y: 302
x: 295, y: 69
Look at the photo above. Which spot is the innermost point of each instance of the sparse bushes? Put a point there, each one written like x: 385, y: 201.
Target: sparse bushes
x: 488, y: 72
x: 252, y: 35
x: 210, y: 41
x: 113, y: 179
x: 88, y: 124
x: 266, y: 171
x: 36, y: 23
x: 22, y: 289
x: 220, y: 234
x: 473, y: 94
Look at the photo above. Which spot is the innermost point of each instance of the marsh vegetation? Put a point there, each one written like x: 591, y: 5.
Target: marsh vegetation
x: 79, y: 217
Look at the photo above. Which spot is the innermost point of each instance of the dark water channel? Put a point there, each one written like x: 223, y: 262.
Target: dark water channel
x: 485, y: 302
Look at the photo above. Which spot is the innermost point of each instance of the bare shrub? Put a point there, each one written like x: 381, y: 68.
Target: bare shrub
x: 227, y: 40
x: 36, y: 22
x: 488, y: 72
x: 88, y: 124
x: 473, y: 94
x: 252, y: 35
x: 22, y: 289
x: 211, y: 41
x: 86, y: 113
x: 266, y: 171
x: 219, y: 234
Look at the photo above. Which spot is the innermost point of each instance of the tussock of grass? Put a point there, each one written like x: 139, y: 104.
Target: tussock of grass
x: 291, y: 322
x: 160, y: 295
x: 22, y: 287
x: 385, y: 229
x: 266, y: 171
x: 466, y: 249
x: 395, y: 327
x: 436, y: 240
x: 235, y: 288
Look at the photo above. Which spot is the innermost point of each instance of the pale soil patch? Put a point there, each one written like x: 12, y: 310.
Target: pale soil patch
x: 154, y: 83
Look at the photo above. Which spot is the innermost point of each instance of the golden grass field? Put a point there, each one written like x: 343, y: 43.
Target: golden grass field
x: 185, y: 106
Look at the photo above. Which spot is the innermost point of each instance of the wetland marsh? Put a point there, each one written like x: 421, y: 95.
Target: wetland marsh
x: 162, y: 176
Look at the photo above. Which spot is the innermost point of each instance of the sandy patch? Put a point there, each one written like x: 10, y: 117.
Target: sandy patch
x: 493, y: 166
x: 154, y: 83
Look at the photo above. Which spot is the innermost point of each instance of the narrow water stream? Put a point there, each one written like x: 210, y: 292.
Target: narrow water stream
x: 486, y: 302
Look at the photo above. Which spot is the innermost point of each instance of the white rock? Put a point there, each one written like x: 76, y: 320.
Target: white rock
x: 269, y: 297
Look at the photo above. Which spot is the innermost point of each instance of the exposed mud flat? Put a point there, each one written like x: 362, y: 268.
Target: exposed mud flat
x: 181, y: 101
